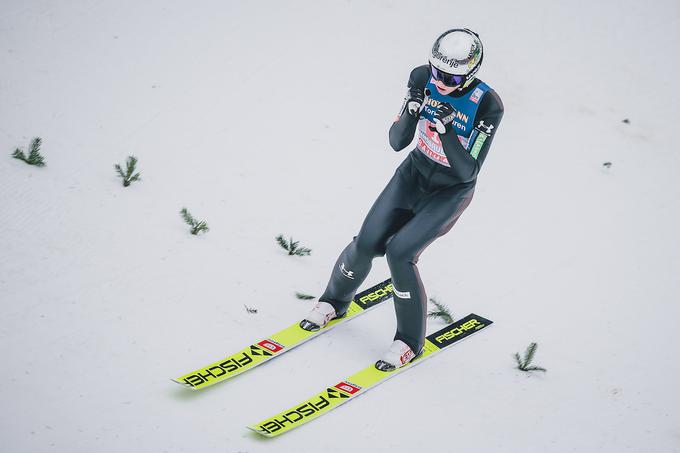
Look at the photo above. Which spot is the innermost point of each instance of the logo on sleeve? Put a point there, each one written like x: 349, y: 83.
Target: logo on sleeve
x: 484, y: 128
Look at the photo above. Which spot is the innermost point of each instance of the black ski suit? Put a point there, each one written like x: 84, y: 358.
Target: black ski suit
x: 421, y: 202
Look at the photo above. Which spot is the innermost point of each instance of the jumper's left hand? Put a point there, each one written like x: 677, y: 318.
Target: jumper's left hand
x: 444, y: 117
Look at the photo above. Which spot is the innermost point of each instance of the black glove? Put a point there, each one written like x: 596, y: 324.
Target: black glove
x: 414, y: 101
x: 444, y: 117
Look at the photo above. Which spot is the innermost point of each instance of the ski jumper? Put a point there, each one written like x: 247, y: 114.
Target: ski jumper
x: 427, y: 194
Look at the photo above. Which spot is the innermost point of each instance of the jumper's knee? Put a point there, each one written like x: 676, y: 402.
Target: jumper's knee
x: 368, y: 246
x: 399, y: 253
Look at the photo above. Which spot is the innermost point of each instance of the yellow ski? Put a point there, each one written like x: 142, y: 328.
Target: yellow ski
x: 364, y: 380
x: 280, y: 342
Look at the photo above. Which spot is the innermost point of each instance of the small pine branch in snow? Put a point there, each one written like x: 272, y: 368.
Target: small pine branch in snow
x: 34, y: 156
x: 303, y: 296
x: 441, y: 311
x: 252, y: 311
x: 524, y: 364
x: 196, y: 226
x: 129, y: 176
x: 292, y: 247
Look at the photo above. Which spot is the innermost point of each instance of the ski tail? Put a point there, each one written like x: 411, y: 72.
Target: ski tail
x: 366, y: 379
x: 279, y: 343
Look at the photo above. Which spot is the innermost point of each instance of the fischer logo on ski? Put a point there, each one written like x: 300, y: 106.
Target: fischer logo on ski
x: 461, y: 329
x: 370, y: 299
x: 294, y: 415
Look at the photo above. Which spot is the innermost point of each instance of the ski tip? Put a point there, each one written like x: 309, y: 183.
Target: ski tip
x: 260, y: 431
x: 184, y: 384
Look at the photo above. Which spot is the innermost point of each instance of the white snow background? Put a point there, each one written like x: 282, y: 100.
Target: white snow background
x: 272, y: 117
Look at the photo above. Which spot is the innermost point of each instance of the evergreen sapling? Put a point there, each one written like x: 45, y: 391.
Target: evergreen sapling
x: 303, y: 296
x: 129, y: 176
x: 291, y: 247
x: 441, y: 311
x: 34, y: 156
x: 196, y: 226
x: 525, y: 363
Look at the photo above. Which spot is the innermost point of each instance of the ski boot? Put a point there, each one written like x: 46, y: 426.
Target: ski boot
x: 398, y: 355
x: 319, y: 317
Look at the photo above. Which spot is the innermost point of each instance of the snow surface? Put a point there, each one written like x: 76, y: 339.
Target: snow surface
x: 271, y: 117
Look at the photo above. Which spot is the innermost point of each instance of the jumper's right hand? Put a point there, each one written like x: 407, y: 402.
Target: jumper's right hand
x: 414, y: 101
x: 444, y: 117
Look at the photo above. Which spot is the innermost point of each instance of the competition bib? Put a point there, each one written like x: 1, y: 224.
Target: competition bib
x: 465, y: 110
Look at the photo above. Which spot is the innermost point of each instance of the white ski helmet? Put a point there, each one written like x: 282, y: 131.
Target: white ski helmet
x: 458, y: 54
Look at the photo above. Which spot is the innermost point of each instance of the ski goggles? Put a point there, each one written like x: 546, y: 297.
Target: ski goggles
x: 450, y: 80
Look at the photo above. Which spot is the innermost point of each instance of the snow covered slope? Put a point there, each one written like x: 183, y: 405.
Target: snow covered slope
x: 271, y: 117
